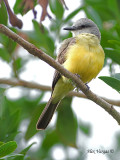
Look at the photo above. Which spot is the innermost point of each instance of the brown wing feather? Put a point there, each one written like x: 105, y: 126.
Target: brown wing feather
x: 61, y: 58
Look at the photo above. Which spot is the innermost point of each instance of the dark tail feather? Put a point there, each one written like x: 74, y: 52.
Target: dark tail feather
x: 46, y: 115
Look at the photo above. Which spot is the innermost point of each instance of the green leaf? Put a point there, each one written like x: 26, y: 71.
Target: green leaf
x: 16, y: 111
x: 10, y: 135
x: 11, y: 45
x: 3, y: 14
x: 2, y: 90
x: 93, y: 14
x: 1, y: 143
x: 112, y: 82
x: 31, y: 130
x: 115, y: 43
x: 18, y: 8
x: 66, y: 123
x: 4, y: 54
x: 85, y: 128
x: 117, y: 146
x: 101, y: 8
x: 113, y: 5
x: 71, y: 15
x: 11, y: 156
x: 8, y: 131
x: 106, y: 36
x: 23, y: 152
x: 14, y: 121
x: 56, y: 8
x: 7, y: 148
x: 50, y: 140
x: 8, y: 44
x: 117, y: 27
x: 42, y: 38
x: 113, y: 54
x: 26, y: 104
x: 18, y: 64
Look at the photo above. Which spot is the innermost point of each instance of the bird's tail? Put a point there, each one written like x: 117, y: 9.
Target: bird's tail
x: 46, y: 115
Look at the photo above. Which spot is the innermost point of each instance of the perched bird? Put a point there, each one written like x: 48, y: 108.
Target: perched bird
x: 81, y: 54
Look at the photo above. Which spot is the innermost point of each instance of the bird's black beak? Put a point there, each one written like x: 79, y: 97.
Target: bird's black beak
x: 72, y: 28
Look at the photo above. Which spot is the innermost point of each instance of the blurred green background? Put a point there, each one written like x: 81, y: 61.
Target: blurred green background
x: 18, y: 116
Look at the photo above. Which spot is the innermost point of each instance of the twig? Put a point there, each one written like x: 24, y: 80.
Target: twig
x: 40, y: 54
x: 33, y: 85
x: 22, y: 83
x: 81, y: 95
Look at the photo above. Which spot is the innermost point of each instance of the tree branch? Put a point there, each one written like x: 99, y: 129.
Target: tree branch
x: 33, y: 85
x: 23, y: 83
x: 40, y: 54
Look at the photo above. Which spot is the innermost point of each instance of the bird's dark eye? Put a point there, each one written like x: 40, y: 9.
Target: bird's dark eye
x: 83, y: 26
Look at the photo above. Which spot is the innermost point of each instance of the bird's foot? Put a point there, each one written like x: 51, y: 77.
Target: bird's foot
x: 77, y: 75
x: 87, y: 86
x: 77, y: 89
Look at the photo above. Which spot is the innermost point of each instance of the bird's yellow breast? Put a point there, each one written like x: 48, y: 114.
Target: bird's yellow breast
x: 85, y: 57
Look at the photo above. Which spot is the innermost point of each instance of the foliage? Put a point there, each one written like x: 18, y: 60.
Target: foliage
x: 114, y: 82
x: 15, y: 112
x: 7, y: 148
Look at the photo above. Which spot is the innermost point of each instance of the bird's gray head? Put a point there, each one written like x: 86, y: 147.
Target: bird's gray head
x: 84, y: 25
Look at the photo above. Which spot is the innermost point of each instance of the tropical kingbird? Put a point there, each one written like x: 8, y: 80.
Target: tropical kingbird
x: 83, y: 55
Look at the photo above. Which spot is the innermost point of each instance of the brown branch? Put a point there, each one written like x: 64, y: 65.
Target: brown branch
x: 22, y: 83
x: 81, y: 95
x: 33, y: 85
x: 40, y: 54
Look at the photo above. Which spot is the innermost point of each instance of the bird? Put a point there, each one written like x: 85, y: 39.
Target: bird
x: 81, y: 54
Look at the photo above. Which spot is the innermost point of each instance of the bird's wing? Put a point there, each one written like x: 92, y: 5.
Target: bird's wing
x: 61, y: 58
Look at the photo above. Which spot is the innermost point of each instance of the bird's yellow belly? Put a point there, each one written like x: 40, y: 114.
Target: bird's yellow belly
x: 87, y: 61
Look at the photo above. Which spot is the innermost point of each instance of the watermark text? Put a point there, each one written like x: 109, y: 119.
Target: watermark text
x: 100, y: 151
